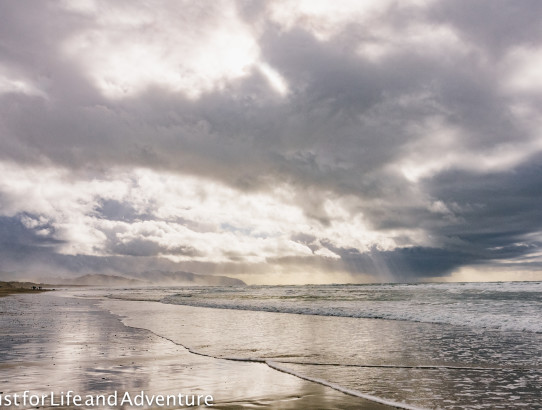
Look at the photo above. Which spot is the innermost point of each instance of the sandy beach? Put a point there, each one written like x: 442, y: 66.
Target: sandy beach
x: 205, y: 344
x: 53, y: 343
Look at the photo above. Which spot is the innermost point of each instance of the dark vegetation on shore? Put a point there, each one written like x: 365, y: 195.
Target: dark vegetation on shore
x: 8, y: 288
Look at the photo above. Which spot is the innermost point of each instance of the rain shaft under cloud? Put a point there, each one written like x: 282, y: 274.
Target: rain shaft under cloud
x: 279, y: 142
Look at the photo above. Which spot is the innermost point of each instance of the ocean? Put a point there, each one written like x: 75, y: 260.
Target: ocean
x: 438, y: 345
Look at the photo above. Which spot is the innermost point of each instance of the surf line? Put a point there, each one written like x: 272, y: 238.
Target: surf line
x: 275, y: 366
x: 414, y: 366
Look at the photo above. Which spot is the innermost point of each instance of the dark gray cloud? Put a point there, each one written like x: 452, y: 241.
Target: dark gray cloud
x: 437, y: 102
x: 15, y: 235
x: 499, y: 216
x: 495, y: 26
x: 146, y: 247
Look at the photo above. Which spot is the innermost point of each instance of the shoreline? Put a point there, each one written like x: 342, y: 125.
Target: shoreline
x: 59, y: 342
x: 144, y: 315
x: 417, y: 363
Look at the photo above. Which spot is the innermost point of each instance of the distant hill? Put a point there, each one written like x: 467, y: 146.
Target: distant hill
x: 178, y: 278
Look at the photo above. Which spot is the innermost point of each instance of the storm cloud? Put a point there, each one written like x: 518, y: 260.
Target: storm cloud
x: 279, y: 142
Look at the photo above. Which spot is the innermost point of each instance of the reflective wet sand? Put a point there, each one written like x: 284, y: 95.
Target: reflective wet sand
x: 52, y: 343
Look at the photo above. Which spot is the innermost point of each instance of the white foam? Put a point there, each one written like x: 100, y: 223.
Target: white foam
x: 276, y: 366
x: 496, y: 306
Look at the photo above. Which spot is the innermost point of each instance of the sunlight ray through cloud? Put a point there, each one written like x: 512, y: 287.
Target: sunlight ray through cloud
x: 397, y: 141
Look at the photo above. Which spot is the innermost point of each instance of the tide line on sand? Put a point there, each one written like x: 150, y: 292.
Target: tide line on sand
x: 276, y: 366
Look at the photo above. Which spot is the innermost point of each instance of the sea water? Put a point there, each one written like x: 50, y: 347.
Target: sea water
x: 449, y: 345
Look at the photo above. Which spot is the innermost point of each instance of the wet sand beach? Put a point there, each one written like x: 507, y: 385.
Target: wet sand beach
x: 412, y: 364
x: 54, y: 343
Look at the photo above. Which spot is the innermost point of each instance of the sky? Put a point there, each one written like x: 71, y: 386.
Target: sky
x: 279, y: 142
